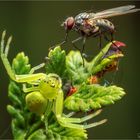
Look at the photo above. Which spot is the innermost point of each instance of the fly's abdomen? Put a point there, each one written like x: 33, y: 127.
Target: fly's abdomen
x: 105, y: 25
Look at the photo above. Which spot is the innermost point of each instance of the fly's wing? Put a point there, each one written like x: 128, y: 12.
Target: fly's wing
x: 114, y: 12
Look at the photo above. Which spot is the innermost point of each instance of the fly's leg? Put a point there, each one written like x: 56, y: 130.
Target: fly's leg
x: 77, y: 39
x: 83, y: 46
x: 100, y: 39
x: 18, y: 78
x: 74, y: 41
x: 83, y: 49
x: 63, y: 42
x: 112, y: 38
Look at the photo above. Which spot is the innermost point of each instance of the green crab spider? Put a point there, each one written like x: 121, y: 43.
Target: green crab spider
x: 45, y: 94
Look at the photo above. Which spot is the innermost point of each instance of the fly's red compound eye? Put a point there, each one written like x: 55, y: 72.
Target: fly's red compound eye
x: 69, y: 23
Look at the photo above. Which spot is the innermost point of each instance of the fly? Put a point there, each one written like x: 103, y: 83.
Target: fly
x: 94, y: 24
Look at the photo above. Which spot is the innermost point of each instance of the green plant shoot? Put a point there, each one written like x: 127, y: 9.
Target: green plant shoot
x: 44, y: 92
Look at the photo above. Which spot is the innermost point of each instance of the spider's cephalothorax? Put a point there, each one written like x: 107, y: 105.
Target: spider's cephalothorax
x: 47, y: 89
x: 50, y: 86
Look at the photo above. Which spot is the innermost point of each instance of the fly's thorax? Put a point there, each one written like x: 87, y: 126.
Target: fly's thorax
x: 50, y: 86
x: 93, y: 27
x: 81, y: 17
x: 104, y: 24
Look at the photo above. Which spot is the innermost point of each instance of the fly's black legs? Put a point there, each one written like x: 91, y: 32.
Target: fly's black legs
x: 77, y: 39
x: 106, y: 38
x: 112, y: 37
x: 111, y: 40
x: 73, y: 42
x: 83, y: 46
x: 83, y: 49
x: 65, y: 40
x: 100, y: 39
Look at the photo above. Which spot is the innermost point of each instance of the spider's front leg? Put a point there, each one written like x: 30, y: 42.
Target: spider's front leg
x: 4, y: 49
x: 73, y: 122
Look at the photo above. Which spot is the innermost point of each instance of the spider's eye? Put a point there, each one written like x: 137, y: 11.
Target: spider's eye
x: 46, y: 81
x: 53, y: 85
x: 49, y: 81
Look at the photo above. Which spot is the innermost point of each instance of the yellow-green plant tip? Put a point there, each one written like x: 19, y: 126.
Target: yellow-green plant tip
x: 38, y: 99
x: 9, y: 40
x: 3, y: 34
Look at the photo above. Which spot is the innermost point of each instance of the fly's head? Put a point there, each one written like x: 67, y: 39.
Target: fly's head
x: 68, y: 23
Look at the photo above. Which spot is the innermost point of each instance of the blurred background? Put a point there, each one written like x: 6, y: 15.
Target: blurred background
x: 35, y: 27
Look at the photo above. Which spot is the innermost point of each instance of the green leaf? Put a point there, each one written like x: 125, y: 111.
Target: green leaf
x: 26, y: 125
x: 57, y: 132
x: 98, y: 63
x: 19, y: 134
x: 14, y: 88
x: 21, y: 64
x: 76, y: 71
x: 21, y: 116
x: 96, y: 60
x: 16, y: 114
x: 37, y: 135
x: 56, y: 61
x: 105, y: 62
x: 90, y: 97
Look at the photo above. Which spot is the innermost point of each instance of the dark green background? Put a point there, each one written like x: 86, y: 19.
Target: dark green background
x: 35, y: 26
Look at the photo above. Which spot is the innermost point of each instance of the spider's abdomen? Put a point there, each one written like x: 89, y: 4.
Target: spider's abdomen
x: 36, y: 102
